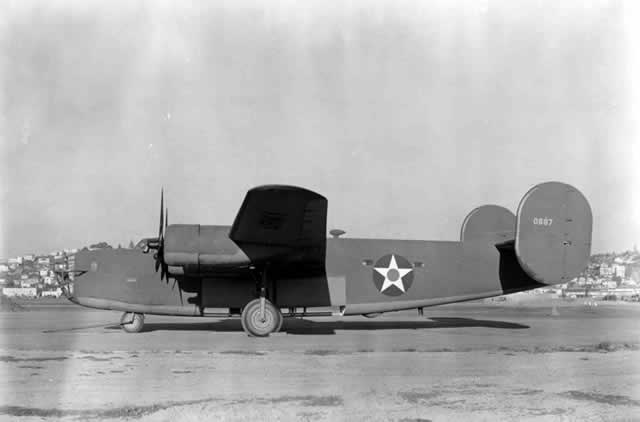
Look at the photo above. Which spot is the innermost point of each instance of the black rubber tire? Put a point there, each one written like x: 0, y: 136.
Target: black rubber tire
x: 253, y: 325
x: 132, y: 322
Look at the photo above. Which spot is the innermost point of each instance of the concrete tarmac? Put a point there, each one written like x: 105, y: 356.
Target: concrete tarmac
x: 458, y: 362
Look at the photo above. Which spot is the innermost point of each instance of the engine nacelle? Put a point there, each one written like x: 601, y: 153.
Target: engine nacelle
x: 200, y: 249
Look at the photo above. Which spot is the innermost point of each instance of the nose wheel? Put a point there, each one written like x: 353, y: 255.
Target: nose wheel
x: 132, y: 322
x: 261, y: 318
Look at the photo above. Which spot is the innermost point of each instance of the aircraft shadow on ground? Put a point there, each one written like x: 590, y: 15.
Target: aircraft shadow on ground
x: 303, y: 326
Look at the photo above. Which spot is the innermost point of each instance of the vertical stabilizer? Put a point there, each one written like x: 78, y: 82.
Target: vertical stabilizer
x: 553, y: 232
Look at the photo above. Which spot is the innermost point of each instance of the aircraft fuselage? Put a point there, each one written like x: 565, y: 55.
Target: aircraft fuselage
x: 359, y: 276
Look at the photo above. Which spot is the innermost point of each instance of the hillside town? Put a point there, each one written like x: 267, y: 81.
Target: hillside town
x: 34, y: 275
x: 610, y: 276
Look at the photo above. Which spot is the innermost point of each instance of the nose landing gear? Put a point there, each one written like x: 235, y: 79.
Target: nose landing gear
x: 132, y: 322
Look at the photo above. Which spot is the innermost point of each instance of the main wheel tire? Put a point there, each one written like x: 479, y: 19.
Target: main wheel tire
x: 132, y: 322
x: 256, y: 326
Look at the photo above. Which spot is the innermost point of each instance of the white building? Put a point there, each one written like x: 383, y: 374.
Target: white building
x: 4, y: 268
x: 20, y: 291
x: 52, y: 293
x: 606, y: 270
x: 619, y: 270
x: 44, y: 261
x: 29, y: 282
x: 610, y: 284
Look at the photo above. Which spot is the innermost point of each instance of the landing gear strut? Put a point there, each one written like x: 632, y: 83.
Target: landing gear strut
x: 132, y: 322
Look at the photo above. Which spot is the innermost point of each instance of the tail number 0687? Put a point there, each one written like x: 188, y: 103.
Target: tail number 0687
x: 539, y: 221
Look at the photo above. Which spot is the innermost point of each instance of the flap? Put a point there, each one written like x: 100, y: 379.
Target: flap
x: 278, y: 216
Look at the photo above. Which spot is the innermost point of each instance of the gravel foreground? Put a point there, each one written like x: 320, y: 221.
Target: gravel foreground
x: 465, y: 363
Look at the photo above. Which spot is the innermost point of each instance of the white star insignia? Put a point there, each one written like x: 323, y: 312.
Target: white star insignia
x: 392, y: 275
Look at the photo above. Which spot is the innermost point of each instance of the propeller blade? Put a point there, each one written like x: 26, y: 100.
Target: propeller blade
x: 161, y: 213
x: 158, y: 243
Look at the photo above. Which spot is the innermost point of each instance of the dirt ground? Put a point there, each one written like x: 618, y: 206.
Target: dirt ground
x: 507, y: 361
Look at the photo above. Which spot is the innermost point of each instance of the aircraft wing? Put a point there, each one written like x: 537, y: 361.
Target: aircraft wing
x: 279, y: 223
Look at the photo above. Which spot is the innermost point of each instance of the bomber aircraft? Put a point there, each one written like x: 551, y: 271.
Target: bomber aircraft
x: 277, y: 256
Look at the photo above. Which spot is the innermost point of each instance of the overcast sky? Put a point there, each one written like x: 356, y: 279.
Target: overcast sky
x: 404, y: 114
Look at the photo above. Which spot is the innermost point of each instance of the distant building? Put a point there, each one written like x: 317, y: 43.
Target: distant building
x: 52, y: 293
x: 606, y: 270
x: 71, y: 262
x: 625, y: 292
x: 573, y: 292
x: 48, y: 280
x: 619, y: 270
x: 60, y: 262
x: 4, y: 268
x: 30, y: 282
x: 20, y: 291
x: 16, y: 261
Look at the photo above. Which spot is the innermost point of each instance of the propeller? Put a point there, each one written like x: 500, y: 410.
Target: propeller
x: 158, y: 255
x: 163, y: 264
x: 158, y: 243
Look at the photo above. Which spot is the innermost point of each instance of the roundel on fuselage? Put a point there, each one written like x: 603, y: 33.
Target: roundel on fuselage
x: 393, y: 275
x: 490, y: 222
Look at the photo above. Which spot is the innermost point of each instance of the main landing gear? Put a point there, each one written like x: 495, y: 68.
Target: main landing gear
x: 261, y: 318
x: 132, y: 322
